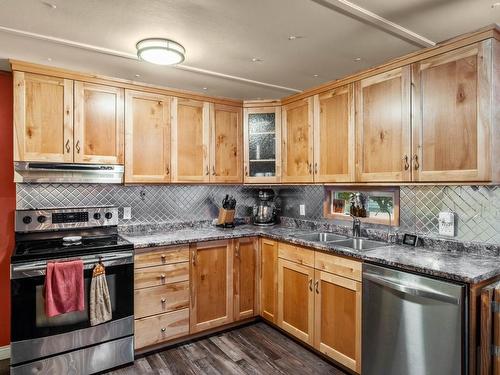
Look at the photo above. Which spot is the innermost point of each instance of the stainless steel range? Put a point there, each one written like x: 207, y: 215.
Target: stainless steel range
x: 67, y: 343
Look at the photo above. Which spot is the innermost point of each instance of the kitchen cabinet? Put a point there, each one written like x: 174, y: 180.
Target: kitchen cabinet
x: 296, y: 299
x: 161, y: 295
x: 43, y: 118
x: 452, y: 115
x: 269, y: 280
x: 99, y: 124
x: 383, y: 127
x: 262, y: 145
x: 211, y: 285
x: 297, y: 133
x: 245, y: 277
x: 226, y: 146
x: 337, y: 318
x: 190, y: 140
x: 147, y: 137
x: 334, y: 137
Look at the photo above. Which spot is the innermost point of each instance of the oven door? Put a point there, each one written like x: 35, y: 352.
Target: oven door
x: 34, y: 335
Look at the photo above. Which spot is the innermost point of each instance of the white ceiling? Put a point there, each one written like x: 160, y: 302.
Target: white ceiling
x: 222, y: 36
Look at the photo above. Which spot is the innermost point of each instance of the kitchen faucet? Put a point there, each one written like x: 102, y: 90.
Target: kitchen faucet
x: 356, y: 227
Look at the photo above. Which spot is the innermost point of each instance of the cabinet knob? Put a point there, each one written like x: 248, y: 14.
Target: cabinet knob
x: 163, y: 329
x: 163, y: 300
x: 163, y: 257
x: 162, y: 276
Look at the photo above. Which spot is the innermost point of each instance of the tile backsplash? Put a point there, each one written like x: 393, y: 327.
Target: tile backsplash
x: 477, y: 207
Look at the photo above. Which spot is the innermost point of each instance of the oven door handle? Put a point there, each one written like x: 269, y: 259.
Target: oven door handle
x: 38, y: 268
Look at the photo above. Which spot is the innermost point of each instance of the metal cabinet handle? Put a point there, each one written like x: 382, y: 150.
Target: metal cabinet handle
x: 246, y: 171
x: 237, y: 253
x: 417, y: 164
x: 68, y: 149
x: 207, y: 172
x: 407, y: 164
x: 309, y: 168
x: 213, y: 171
x: 316, y: 285
x: 194, y: 259
x: 315, y: 168
x: 77, y: 146
x: 311, y: 284
x: 167, y: 171
x: 163, y: 300
x: 163, y: 329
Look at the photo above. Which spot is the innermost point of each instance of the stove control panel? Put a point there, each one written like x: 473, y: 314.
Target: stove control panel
x: 65, y: 218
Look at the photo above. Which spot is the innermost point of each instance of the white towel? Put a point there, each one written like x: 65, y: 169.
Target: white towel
x: 100, y: 302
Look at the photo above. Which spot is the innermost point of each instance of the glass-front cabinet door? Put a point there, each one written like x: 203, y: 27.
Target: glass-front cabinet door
x: 262, y: 137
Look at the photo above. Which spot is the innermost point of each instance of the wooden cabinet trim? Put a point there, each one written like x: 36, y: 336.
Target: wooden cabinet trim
x: 337, y: 265
x: 161, y: 275
x: 161, y: 299
x: 157, y: 256
x: 296, y: 254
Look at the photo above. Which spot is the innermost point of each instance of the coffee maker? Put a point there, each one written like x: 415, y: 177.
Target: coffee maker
x: 264, y: 213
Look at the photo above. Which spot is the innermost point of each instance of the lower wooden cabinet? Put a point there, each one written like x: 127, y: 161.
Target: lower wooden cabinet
x: 211, y: 285
x: 160, y: 299
x: 245, y: 273
x: 269, y: 280
x: 337, y: 318
x: 296, y: 299
x: 160, y: 328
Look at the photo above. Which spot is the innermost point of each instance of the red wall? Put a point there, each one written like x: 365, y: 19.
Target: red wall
x: 7, y: 203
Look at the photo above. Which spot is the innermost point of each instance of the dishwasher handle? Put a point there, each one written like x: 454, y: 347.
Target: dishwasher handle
x: 411, y: 290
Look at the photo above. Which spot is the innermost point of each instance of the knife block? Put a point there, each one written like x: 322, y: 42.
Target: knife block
x: 226, y: 217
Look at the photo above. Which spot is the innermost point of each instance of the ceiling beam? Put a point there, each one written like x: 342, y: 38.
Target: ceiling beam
x: 361, y: 14
x: 131, y: 56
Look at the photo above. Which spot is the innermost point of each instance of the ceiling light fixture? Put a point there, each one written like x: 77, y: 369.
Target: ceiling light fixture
x: 294, y: 37
x: 256, y: 59
x: 160, y: 51
x: 315, y: 75
x: 50, y: 5
x: 205, y: 88
x: 357, y: 59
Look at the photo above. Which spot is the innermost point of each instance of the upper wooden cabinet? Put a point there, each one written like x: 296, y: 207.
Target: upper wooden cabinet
x: 297, y: 133
x: 334, y: 135
x: 190, y: 140
x: 147, y: 137
x: 98, y: 134
x: 211, y: 285
x: 43, y: 118
x: 452, y: 109
x: 226, y: 144
x: 383, y: 127
x: 262, y: 144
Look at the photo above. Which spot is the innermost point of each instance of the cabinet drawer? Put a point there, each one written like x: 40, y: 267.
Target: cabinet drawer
x: 158, y: 256
x: 161, y: 299
x: 338, y: 265
x: 159, y: 328
x: 161, y: 275
x: 296, y: 254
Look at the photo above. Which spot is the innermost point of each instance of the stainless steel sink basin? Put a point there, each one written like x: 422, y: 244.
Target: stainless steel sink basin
x: 360, y: 244
x: 319, y: 237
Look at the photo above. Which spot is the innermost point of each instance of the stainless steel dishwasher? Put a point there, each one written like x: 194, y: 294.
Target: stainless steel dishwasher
x: 412, y: 325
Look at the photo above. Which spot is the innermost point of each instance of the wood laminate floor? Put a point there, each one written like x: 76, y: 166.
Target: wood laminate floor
x: 256, y: 349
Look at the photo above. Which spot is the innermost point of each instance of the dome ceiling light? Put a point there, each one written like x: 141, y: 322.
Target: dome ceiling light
x: 160, y: 51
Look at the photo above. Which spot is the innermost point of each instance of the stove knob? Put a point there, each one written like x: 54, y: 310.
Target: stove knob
x: 42, y: 219
x: 27, y: 219
x: 108, y: 215
x: 97, y: 216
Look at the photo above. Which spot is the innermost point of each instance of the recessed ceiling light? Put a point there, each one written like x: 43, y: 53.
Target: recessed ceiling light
x: 50, y: 5
x: 495, y: 5
x: 357, y: 59
x: 49, y: 58
x: 256, y: 59
x: 315, y: 75
x: 160, y: 51
x: 137, y: 75
x: 205, y: 88
x: 294, y: 37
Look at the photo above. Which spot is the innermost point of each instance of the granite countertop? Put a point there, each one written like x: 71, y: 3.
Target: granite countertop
x: 452, y: 265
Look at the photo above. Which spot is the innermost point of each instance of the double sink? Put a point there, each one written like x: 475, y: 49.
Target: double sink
x: 359, y: 244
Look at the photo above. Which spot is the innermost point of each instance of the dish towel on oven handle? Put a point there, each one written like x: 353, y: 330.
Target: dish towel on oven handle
x: 100, y: 302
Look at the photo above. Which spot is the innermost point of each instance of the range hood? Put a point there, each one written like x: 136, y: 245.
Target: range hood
x: 67, y: 173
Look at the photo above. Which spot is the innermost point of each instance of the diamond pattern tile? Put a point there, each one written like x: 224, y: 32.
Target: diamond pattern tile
x: 477, y: 207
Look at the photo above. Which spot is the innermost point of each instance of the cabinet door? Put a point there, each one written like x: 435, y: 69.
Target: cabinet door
x: 262, y: 145
x: 147, y: 137
x: 297, y: 132
x: 226, y: 144
x: 337, y: 331
x: 190, y: 140
x: 383, y: 127
x: 99, y: 129
x: 296, y: 299
x: 43, y: 118
x: 269, y: 279
x: 334, y: 135
x: 211, y: 285
x: 245, y: 277
x: 452, y: 106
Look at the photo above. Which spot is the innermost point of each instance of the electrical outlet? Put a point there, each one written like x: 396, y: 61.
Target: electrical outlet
x: 302, y: 210
x: 127, y: 213
x: 447, y: 224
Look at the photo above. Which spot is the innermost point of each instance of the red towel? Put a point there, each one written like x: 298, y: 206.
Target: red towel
x: 64, y: 287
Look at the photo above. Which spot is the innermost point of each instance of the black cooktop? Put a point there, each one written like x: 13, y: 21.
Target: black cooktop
x: 53, y: 248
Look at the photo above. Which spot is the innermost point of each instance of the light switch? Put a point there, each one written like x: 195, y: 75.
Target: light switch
x: 127, y: 213
x: 302, y: 210
x: 447, y: 224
